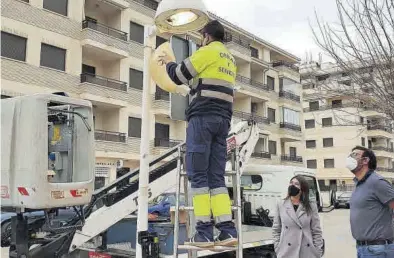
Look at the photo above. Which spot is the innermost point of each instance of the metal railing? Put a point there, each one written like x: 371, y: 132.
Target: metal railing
x: 102, y: 81
x: 382, y: 169
x: 167, y: 143
x: 101, y: 135
x: 104, y: 29
x: 290, y: 126
x: 291, y: 158
x: 382, y: 148
x: 251, y: 116
x: 289, y: 95
x: 162, y: 96
x: 151, y: 4
x: 327, y: 107
x: 252, y: 83
x: 385, y: 128
x: 261, y: 155
x: 286, y: 64
x: 237, y: 39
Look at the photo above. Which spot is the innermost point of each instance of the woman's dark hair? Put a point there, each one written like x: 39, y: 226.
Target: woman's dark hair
x: 304, y: 198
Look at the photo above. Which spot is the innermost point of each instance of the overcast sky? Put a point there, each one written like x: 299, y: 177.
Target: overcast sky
x: 281, y: 22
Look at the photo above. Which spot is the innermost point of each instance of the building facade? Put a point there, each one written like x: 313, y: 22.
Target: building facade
x: 336, y: 123
x: 93, y: 49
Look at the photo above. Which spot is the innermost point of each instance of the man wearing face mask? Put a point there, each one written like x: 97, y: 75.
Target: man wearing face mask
x: 213, y: 70
x: 371, y: 206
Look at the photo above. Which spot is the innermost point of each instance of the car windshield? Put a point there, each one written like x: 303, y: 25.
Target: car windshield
x: 346, y: 195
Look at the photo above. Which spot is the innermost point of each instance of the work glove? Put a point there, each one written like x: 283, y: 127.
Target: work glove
x: 182, y: 90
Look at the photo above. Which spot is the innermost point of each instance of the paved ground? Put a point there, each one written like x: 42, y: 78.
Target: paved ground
x: 336, y: 232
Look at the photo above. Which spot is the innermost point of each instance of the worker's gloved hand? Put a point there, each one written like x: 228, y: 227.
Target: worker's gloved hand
x: 182, y: 89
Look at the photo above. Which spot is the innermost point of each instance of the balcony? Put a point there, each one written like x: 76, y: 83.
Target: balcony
x: 256, y: 60
x: 104, y: 41
x: 251, y: 83
x: 290, y: 126
x: 382, y: 169
x: 328, y: 107
x: 380, y: 131
x: 261, y: 155
x: 151, y: 4
x: 385, y: 152
x: 166, y: 143
x: 289, y: 95
x: 385, y: 128
x: 251, y: 116
x: 108, y: 136
x: 290, y: 158
x: 285, y: 65
x: 238, y: 46
x: 104, y: 82
x: 381, y: 148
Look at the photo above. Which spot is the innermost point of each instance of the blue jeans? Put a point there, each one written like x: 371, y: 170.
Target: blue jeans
x: 375, y: 251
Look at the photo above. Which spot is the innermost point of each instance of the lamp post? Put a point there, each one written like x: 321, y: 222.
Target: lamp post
x: 176, y: 17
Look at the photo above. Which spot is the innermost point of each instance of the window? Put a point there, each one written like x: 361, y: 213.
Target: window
x: 327, y: 121
x: 314, y: 105
x: 251, y: 182
x: 310, y: 144
x: 291, y: 116
x: 328, y: 142
x: 336, y: 103
x: 329, y: 163
x: 162, y: 131
x: 281, y: 84
x: 159, y: 41
x: 87, y: 69
x: 254, y: 52
x: 134, y: 127
x: 136, y: 79
x: 13, y: 46
x: 363, y: 141
x: 271, y: 115
x: 361, y: 120
x: 293, y: 151
x: 136, y: 32
x: 253, y: 107
x: 310, y: 123
x: 272, y: 147
x: 53, y: 57
x: 312, y: 163
x: 271, y: 83
x: 57, y: 6
x: 99, y: 182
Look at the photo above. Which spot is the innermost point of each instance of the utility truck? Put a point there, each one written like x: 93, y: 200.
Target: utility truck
x: 48, y: 164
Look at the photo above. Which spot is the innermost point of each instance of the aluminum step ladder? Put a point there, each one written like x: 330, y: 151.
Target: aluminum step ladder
x: 190, y: 221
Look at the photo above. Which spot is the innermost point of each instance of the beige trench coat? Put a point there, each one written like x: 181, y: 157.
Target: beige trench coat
x: 297, y: 234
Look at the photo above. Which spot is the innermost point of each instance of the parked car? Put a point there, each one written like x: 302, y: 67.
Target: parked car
x: 161, y: 205
x: 343, y: 200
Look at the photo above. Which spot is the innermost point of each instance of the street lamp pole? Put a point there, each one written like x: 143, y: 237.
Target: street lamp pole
x: 143, y: 197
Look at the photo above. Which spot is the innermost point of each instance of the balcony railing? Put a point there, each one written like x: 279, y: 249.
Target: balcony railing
x: 162, y: 96
x: 151, y: 4
x: 383, y: 169
x: 261, y: 155
x: 286, y: 64
x: 289, y: 95
x: 291, y: 158
x: 328, y: 107
x: 237, y: 39
x: 252, y: 83
x: 104, y: 29
x: 382, y: 148
x: 290, y: 126
x: 251, y: 116
x: 385, y: 128
x: 167, y: 143
x: 109, y: 136
x: 102, y: 81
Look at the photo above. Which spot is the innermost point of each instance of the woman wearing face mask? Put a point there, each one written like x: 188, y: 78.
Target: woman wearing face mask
x: 296, y: 229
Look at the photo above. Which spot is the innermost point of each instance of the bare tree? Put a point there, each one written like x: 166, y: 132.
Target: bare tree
x: 361, y: 45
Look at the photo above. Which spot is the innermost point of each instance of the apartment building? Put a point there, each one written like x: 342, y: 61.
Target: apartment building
x: 335, y: 123
x: 93, y: 49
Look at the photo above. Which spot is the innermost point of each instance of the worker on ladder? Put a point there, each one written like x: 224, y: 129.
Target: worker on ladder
x: 213, y: 70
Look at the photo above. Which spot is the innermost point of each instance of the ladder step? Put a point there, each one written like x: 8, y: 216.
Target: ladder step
x: 190, y: 208
x: 214, y: 249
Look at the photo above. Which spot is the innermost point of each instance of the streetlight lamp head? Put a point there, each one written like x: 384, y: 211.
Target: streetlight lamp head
x: 181, y: 16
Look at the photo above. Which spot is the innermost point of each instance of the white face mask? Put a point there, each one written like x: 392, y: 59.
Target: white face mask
x: 351, y: 163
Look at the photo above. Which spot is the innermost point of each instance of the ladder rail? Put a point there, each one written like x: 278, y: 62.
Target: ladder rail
x: 177, y: 197
x: 237, y: 197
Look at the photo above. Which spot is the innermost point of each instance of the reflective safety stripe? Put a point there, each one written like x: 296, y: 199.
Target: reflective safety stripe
x: 214, y: 94
x: 223, y: 218
x: 203, y: 218
x: 221, y: 206
x: 220, y: 190
x: 190, y: 67
x: 202, y: 205
x: 180, y: 75
x: 217, y: 82
x: 201, y: 190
